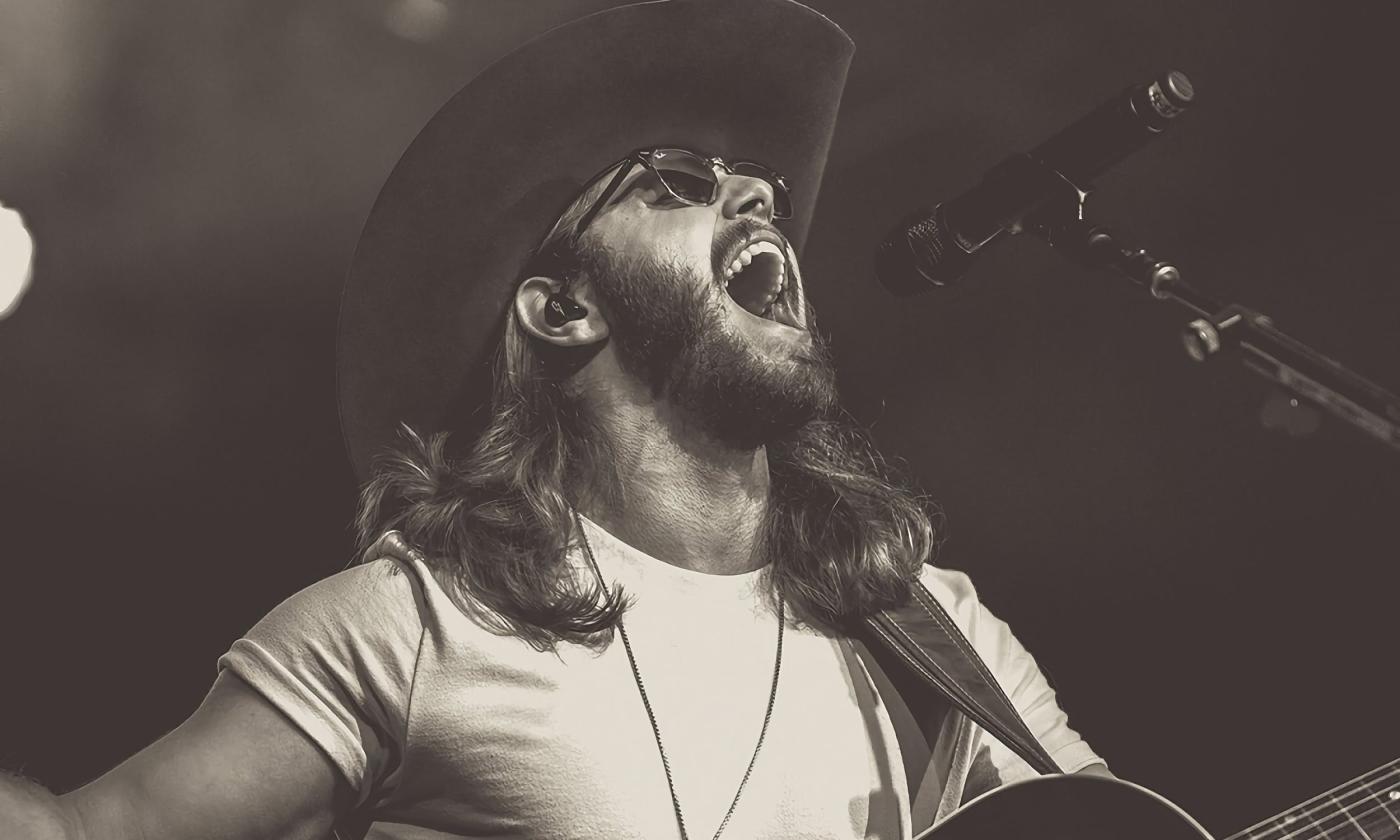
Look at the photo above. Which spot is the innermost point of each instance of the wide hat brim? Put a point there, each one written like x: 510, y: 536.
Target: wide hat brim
x: 480, y: 186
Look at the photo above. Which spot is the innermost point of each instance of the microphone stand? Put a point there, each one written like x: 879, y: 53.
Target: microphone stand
x: 1218, y: 329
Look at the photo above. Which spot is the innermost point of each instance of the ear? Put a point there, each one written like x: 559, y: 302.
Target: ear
x: 531, y: 298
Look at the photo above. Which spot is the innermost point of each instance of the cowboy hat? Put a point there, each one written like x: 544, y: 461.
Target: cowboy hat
x: 475, y: 193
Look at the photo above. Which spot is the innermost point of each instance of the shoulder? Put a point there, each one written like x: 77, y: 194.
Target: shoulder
x: 379, y: 595
x: 365, y: 623
x: 954, y: 590
x: 950, y: 582
x: 339, y: 660
x: 989, y: 635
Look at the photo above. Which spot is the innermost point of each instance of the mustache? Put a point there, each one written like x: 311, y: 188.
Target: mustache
x: 735, y: 235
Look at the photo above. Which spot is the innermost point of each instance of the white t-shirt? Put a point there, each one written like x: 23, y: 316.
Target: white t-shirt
x: 448, y: 730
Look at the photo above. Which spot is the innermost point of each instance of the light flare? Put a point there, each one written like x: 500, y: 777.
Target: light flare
x: 16, y: 260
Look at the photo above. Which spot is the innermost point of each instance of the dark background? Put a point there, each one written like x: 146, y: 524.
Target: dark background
x: 1216, y: 600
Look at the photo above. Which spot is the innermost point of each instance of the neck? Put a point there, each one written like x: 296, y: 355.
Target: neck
x: 680, y: 496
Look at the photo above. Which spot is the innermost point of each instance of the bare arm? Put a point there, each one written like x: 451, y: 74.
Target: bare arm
x: 236, y: 770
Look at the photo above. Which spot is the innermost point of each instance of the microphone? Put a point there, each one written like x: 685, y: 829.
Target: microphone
x: 934, y: 248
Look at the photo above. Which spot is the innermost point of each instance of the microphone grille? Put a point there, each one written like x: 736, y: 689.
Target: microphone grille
x: 918, y: 255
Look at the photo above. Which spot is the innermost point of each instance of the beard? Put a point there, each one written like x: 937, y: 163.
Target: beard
x: 671, y: 330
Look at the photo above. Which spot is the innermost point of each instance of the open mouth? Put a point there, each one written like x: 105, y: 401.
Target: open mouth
x: 757, y: 280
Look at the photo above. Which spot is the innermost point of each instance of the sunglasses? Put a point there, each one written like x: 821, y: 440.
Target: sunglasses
x: 690, y: 179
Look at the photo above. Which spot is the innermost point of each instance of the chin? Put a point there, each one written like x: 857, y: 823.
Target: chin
x: 747, y: 399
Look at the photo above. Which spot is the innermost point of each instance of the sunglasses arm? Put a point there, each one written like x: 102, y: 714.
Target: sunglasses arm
x: 622, y: 169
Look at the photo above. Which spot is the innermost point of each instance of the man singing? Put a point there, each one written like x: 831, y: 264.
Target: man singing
x: 615, y: 523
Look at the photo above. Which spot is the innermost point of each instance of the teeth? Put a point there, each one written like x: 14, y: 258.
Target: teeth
x: 752, y: 250
x: 755, y: 248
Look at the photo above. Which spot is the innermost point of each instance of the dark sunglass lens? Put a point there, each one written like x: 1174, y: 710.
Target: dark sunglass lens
x: 782, y: 199
x: 688, y: 185
x: 688, y: 176
x: 782, y: 202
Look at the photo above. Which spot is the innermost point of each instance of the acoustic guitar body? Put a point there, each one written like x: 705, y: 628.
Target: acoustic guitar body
x: 1068, y: 808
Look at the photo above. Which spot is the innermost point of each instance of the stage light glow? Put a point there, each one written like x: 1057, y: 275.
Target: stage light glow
x: 417, y: 20
x: 16, y: 260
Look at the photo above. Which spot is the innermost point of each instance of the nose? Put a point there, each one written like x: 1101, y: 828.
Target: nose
x: 743, y: 196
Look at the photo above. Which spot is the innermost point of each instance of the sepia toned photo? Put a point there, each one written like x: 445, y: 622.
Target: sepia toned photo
x: 698, y: 419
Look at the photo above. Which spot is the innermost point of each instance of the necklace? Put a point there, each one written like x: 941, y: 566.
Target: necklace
x: 651, y: 715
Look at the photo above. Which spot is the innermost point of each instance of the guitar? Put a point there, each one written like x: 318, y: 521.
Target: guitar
x: 1096, y: 808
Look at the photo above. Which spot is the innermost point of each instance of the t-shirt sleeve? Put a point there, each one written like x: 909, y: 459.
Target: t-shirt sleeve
x: 338, y: 660
x: 1016, y: 670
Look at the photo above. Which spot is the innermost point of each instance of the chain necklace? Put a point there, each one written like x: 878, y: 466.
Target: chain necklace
x: 651, y: 715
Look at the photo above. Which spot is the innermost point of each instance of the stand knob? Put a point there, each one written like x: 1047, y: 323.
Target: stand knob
x: 1201, y: 339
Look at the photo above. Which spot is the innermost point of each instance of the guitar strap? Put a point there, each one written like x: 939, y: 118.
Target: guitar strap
x: 920, y: 650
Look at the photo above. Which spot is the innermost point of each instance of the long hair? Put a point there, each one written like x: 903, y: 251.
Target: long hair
x: 496, y: 524
x: 842, y: 536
